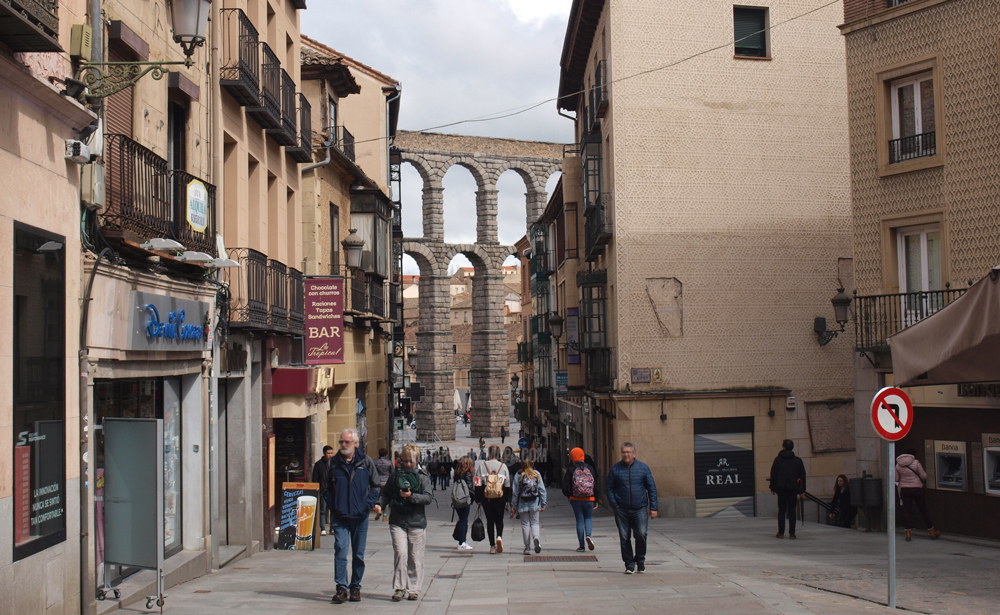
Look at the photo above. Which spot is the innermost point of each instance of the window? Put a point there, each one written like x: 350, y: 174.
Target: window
x: 466, y: 315
x: 334, y: 239
x: 454, y: 349
x: 750, y: 32
x: 912, y: 118
x: 332, y: 120
x: 39, y: 398
x: 919, y: 258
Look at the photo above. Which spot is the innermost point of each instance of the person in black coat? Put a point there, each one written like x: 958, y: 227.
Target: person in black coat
x: 787, y: 481
x: 321, y: 475
x: 843, y: 512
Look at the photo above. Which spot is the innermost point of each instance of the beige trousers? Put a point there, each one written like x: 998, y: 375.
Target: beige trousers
x: 408, y: 558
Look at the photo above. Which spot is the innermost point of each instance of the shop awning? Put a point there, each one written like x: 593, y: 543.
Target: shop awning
x: 960, y: 343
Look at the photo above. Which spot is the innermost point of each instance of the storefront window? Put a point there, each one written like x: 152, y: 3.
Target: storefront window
x: 39, y: 361
x: 147, y: 398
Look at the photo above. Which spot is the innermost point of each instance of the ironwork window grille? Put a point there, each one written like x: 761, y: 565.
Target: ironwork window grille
x: 240, y: 71
x: 268, y: 114
x: 287, y: 133
x: 303, y: 151
x: 247, y: 288
x: 345, y: 142
x: 750, y: 32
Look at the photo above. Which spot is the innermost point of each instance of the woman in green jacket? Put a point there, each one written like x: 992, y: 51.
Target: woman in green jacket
x: 407, y: 491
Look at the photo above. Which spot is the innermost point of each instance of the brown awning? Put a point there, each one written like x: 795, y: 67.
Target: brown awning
x: 960, y: 343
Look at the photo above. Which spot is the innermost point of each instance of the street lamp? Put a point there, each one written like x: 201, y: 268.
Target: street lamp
x: 97, y: 80
x: 514, y: 381
x: 841, y: 312
x: 555, y: 325
x: 412, y: 359
x: 353, y: 246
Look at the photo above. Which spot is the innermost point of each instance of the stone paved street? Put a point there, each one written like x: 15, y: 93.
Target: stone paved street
x: 695, y: 566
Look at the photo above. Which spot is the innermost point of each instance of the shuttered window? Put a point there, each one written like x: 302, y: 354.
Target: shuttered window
x: 118, y: 110
x: 750, y: 35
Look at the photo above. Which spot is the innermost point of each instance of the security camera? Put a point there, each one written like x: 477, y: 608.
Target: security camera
x: 77, y: 151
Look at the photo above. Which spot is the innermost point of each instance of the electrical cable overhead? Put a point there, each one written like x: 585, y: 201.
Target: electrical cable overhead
x: 499, y: 115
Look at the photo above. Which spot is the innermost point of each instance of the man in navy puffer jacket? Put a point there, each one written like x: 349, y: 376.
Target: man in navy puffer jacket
x: 631, y: 491
x: 355, y: 484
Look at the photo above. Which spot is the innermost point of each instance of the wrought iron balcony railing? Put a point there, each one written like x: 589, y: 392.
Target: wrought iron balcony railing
x: 240, y: 71
x: 344, y: 141
x: 268, y: 114
x: 376, y: 295
x: 359, y: 294
x: 277, y: 294
x: 915, y: 146
x: 600, y: 369
x: 247, y: 288
x: 287, y: 135
x: 30, y: 25
x: 303, y: 151
x: 876, y: 317
x: 396, y: 303
x: 892, y: 3
x: 297, y: 302
x: 598, y: 231
x: 139, y: 201
x: 184, y: 226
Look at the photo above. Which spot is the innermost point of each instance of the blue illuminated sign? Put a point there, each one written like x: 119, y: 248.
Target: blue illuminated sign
x: 174, y: 328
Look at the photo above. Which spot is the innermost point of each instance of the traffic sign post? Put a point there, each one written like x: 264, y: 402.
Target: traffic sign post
x: 892, y: 418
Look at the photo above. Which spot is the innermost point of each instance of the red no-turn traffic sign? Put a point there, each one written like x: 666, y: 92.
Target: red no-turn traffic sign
x: 892, y: 414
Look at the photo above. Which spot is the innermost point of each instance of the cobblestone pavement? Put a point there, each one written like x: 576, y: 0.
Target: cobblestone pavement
x: 695, y: 566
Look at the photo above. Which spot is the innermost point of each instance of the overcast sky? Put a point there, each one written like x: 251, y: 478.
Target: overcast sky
x: 458, y: 59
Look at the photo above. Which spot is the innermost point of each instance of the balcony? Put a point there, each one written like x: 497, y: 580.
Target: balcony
x: 598, y: 231
x: 303, y: 151
x: 396, y: 304
x: 240, y: 72
x: 30, y: 25
x: 183, y: 231
x: 344, y: 141
x: 247, y: 288
x: 915, y: 146
x: 600, y: 371
x: 277, y: 295
x: 376, y: 295
x: 876, y: 317
x: 359, y: 294
x: 287, y: 135
x: 297, y: 302
x: 139, y: 201
x: 268, y: 113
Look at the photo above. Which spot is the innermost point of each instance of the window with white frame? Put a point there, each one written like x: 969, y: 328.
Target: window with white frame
x: 913, y: 134
x: 919, y: 256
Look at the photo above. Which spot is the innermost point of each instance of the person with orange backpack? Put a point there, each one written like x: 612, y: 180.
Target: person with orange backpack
x: 493, y: 492
x: 580, y: 486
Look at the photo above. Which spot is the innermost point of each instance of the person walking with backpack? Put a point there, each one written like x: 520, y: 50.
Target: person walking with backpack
x: 433, y: 469
x: 788, y: 481
x: 580, y: 486
x: 355, y: 485
x: 529, y: 499
x: 462, y: 491
x: 631, y: 491
x: 910, y: 477
x: 493, y: 492
x: 384, y: 465
x: 408, y: 490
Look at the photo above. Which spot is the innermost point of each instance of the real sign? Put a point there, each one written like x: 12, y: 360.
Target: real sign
x: 324, y: 312
x: 197, y: 205
x: 892, y: 414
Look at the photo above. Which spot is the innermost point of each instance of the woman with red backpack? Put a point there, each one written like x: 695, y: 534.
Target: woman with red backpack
x: 529, y: 500
x: 580, y: 486
x: 493, y: 493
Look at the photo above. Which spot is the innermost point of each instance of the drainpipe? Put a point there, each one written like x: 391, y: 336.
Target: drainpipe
x: 388, y: 123
x: 86, y: 574
x: 324, y: 162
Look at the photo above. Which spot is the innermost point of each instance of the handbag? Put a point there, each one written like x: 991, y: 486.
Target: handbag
x: 478, y: 532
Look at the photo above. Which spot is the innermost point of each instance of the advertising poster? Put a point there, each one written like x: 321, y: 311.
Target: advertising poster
x: 324, y: 312
x: 724, y: 468
x: 299, y: 510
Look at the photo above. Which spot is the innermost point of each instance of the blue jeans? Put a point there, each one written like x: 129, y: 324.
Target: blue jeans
x: 355, y: 531
x: 632, y: 523
x: 325, y: 504
x: 584, y: 511
x: 462, y: 527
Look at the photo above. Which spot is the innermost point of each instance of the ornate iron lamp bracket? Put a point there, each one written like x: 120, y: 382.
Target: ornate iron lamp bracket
x: 102, y: 79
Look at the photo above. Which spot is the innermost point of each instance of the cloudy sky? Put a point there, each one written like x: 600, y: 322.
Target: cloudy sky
x: 458, y: 59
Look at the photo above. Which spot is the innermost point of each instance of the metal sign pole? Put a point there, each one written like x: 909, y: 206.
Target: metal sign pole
x: 891, y: 519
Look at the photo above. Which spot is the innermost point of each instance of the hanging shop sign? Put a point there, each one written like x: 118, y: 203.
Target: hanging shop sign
x: 562, y: 383
x: 160, y: 322
x: 324, y: 312
x: 197, y: 205
x: 572, y: 336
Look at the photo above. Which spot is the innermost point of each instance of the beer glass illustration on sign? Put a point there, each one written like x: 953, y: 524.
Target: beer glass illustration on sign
x: 305, y: 519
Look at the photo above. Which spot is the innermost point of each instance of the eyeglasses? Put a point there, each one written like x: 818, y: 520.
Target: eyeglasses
x: 347, y: 441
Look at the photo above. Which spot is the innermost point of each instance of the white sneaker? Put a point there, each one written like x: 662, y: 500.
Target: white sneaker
x: 590, y: 543
x: 322, y: 532
x: 465, y: 547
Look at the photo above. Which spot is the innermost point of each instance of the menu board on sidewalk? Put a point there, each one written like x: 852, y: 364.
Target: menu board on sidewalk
x: 297, y: 516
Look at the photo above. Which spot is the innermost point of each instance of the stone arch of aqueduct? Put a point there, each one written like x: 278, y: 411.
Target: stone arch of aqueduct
x: 433, y: 155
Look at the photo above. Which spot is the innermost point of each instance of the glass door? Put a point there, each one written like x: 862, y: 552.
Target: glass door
x: 171, y: 466
x: 919, y: 250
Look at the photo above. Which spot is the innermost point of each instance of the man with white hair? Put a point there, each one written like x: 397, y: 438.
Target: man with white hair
x: 355, y: 484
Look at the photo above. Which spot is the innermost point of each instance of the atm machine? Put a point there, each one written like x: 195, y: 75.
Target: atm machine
x: 991, y: 463
x: 950, y: 463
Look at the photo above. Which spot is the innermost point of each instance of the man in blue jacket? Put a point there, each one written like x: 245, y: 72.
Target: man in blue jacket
x: 355, y: 484
x: 631, y: 490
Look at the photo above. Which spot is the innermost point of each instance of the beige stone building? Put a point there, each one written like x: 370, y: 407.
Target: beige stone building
x: 924, y: 84
x: 712, y: 228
